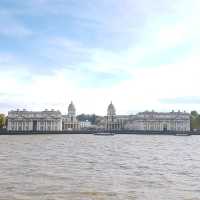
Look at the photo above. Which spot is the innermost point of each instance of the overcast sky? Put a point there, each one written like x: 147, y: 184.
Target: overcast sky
x: 142, y: 55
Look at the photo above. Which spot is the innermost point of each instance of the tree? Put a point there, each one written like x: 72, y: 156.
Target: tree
x: 195, y: 120
x: 2, y: 120
x: 91, y: 118
x: 194, y: 114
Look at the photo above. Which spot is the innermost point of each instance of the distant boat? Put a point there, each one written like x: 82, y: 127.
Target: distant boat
x: 107, y: 134
x: 182, y: 134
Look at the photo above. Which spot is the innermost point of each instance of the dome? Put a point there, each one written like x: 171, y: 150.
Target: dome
x: 111, y: 109
x: 71, y: 109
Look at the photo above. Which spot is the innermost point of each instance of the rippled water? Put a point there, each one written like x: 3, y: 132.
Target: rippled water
x: 88, y: 167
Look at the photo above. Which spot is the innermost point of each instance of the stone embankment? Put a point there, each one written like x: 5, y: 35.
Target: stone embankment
x: 5, y: 132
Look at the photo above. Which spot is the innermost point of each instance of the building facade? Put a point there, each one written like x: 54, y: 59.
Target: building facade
x: 159, y: 121
x: 22, y: 120
x: 70, y: 121
x: 50, y: 120
x: 113, y: 122
x: 147, y: 121
x: 85, y: 124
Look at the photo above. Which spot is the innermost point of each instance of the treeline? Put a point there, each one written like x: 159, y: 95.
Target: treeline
x: 94, y: 119
x: 2, y: 120
x: 195, y: 120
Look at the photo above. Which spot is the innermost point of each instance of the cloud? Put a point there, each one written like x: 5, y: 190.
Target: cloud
x: 142, y: 55
x: 182, y: 100
x: 143, y: 91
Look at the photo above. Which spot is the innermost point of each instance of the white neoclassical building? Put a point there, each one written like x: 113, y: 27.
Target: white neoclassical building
x: 85, y: 124
x: 159, y: 121
x: 113, y: 122
x: 69, y: 121
x: 147, y: 121
x: 51, y: 120
x: 23, y: 120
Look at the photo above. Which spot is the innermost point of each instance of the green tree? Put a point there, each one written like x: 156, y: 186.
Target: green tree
x: 195, y: 120
x: 2, y: 120
x: 91, y: 118
x: 194, y: 114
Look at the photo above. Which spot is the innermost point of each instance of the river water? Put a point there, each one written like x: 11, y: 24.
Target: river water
x: 88, y: 167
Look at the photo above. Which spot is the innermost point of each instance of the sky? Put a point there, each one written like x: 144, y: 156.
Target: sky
x: 141, y: 55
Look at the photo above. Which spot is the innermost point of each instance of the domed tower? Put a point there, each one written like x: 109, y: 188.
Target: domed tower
x: 70, y: 122
x: 71, y: 110
x: 112, y: 122
x: 111, y: 110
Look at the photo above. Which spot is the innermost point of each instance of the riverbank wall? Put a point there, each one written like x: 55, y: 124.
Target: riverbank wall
x: 5, y: 132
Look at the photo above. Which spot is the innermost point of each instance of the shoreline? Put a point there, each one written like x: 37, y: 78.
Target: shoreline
x: 122, y: 132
